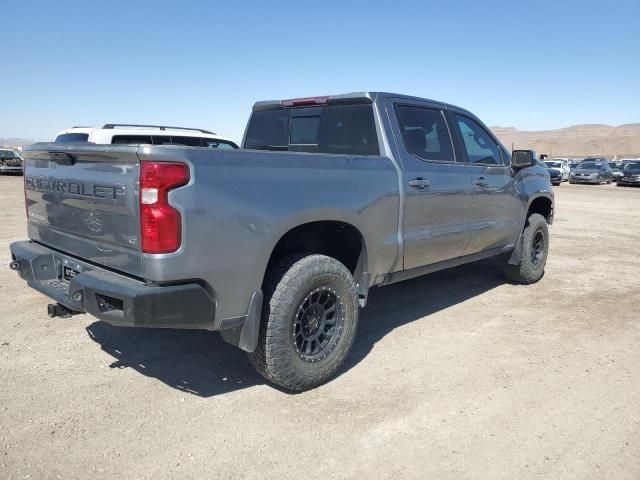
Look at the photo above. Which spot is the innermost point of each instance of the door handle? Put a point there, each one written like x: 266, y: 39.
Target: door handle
x: 481, y: 182
x: 419, y: 183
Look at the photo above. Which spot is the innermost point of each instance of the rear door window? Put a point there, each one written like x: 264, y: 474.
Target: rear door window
x: 425, y: 133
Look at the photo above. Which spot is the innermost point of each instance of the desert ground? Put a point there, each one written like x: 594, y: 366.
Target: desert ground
x: 455, y: 375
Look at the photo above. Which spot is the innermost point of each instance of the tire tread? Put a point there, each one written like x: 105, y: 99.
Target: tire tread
x: 284, y: 280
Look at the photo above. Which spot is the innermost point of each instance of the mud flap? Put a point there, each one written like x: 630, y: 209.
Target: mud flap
x: 245, y: 336
x: 516, y: 253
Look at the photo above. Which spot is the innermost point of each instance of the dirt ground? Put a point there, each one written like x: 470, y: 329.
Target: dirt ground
x: 453, y: 375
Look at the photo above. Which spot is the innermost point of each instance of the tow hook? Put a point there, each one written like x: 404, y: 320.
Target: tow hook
x: 15, y: 266
x: 58, y: 310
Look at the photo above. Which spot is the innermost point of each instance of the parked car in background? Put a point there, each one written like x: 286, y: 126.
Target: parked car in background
x: 616, y: 170
x: 630, y: 173
x: 624, y: 161
x: 562, y: 165
x: 131, y: 134
x: 573, y: 164
x: 555, y: 175
x: 277, y: 245
x: 10, y: 161
x: 592, y: 171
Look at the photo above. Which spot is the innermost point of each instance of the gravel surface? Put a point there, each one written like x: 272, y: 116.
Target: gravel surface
x: 453, y: 375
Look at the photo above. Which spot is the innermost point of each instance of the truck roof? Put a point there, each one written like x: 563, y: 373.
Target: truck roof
x: 353, y: 97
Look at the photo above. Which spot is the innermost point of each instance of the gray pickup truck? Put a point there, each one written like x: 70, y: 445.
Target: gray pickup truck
x: 277, y: 244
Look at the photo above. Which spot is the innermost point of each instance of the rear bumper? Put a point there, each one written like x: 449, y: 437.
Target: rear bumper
x: 629, y: 181
x: 109, y: 296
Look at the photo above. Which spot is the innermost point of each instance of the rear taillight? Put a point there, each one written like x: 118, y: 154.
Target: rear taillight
x: 160, y: 223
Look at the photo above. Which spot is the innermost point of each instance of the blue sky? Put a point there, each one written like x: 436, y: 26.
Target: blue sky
x: 531, y: 65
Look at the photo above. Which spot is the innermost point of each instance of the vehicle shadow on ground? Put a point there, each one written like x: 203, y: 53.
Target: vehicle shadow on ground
x: 201, y: 363
x: 402, y: 303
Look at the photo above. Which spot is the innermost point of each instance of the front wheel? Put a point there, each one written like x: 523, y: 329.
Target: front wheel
x: 535, y: 247
x: 309, y: 321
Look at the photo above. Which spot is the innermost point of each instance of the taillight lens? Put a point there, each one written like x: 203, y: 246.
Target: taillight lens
x: 160, y: 223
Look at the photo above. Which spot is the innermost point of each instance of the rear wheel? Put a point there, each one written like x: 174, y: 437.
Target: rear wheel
x: 309, y: 321
x: 535, y: 247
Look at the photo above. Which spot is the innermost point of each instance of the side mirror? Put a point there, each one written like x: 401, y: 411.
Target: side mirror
x: 523, y: 158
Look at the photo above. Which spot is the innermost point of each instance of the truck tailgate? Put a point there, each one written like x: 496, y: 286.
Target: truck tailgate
x: 83, y: 200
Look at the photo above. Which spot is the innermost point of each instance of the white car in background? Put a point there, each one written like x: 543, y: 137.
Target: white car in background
x: 131, y: 134
x: 562, y: 165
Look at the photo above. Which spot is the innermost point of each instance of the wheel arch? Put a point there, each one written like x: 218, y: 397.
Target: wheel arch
x: 336, y: 238
x: 542, y: 204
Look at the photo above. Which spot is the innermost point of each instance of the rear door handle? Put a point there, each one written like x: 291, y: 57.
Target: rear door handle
x: 482, y: 182
x: 419, y: 183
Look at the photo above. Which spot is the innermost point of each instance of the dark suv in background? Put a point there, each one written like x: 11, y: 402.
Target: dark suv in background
x: 630, y: 174
x: 555, y: 175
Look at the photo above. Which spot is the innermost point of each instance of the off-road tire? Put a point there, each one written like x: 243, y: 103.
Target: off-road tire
x: 534, y: 256
x: 288, y: 287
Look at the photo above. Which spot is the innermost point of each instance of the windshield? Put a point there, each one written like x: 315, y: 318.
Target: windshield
x: 590, y: 166
x: 554, y: 164
x: 632, y: 167
x: 8, y: 154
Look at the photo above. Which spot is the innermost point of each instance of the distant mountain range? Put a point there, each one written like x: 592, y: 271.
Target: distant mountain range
x: 576, y: 141
x: 15, y: 142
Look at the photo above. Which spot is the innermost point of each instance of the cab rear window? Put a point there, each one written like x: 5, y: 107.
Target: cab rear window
x: 339, y: 129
